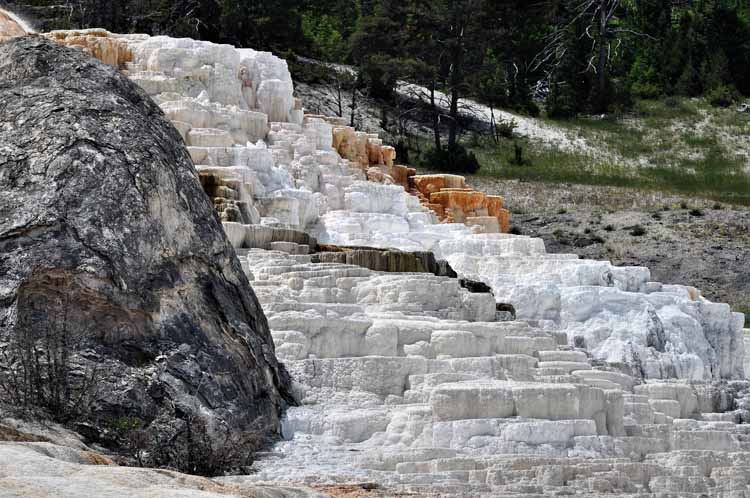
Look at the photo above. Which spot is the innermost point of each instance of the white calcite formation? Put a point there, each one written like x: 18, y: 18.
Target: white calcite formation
x: 604, y: 382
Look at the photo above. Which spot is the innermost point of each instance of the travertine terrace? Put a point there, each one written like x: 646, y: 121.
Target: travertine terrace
x: 570, y: 377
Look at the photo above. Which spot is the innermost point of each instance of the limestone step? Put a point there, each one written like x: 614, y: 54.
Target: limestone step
x: 639, y: 413
x: 568, y: 356
x: 566, y: 366
x: 668, y: 407
x: 634, y: 398
x: 734, y: 417
x: 209, y: 137
x: 556, y: 379
x: 390, y: 459
x: 540, y: 373
x: 624, y: 381
x: 601, y: 383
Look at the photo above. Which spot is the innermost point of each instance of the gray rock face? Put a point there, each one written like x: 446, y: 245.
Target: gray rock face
x: 106, y: 233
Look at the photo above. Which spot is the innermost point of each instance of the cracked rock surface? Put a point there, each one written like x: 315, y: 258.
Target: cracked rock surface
x: 102, y: 218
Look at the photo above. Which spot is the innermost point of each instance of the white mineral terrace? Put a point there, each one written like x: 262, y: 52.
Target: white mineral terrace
x: 604, y: 383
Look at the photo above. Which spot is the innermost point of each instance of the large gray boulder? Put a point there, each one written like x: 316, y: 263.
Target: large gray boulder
x: 110, y: 248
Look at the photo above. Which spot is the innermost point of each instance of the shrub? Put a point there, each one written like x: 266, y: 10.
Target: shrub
x: 451, y: 159
x: 619, y: 96
x: 196, y: 445
x: 402, y: 151
x: 638, y: 231
x: 561, y: 237
x: 41, y: 368
x: 609, y: 228
x: 646, y: 90
x: 644, y: 77
x: 696, y: 212
x: 722, y: 96
x: 531, y: 108
x: 506, y: 129
x: 561, y: 107
x: 517, y: 158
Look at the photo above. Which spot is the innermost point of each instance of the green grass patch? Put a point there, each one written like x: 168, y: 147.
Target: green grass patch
x: 673, y: 145
x: 716, y: 176
x: 547, y: 165
x: 700, y: 141
x: 668, y: 109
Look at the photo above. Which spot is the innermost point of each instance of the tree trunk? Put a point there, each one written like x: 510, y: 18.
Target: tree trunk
x: 493, y: 126
x: 601, y: 67
x: 340, y: 98
x: 453, y: 125
x: 435, y: 117
x: 510, y: 70
x: 455, y: 83
x: 354, y: 107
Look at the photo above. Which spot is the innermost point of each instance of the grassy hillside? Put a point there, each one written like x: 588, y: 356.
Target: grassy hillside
x: 678, y: 145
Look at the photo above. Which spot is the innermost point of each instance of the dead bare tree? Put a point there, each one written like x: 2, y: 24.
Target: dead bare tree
x: 604, y: 11
x: 598, y: 22
x: 40, y: 364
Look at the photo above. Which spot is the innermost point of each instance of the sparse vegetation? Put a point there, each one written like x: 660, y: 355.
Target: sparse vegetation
x: 195, y: 445
x: 688, y: 147
x: 41, y: 368
x: 452, y: 159
x: 638, y: 231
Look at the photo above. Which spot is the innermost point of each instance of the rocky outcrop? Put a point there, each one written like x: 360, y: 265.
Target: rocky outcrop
x: 107, y: 237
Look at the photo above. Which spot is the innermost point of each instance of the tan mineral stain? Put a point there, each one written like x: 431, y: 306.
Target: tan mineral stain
x: 10, y: 26
x: 97, y: 42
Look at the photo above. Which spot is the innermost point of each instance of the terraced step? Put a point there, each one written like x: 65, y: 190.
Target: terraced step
x: 407, y: 380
